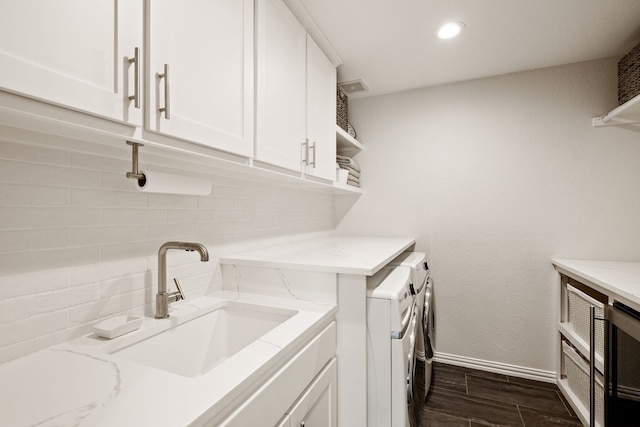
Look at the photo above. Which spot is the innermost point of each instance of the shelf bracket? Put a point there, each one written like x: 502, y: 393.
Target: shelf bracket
x: 599, y: 121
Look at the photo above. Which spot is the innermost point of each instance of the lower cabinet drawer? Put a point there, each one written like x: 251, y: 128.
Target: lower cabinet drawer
x: 576, y: 372
x: 579, y: 317
x: 270, y: 402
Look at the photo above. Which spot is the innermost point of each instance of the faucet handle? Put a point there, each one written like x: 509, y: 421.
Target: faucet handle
x: 177, y: 295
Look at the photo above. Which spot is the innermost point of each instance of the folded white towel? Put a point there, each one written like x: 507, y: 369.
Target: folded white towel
x: 347, y: 161
x: 351, y: 170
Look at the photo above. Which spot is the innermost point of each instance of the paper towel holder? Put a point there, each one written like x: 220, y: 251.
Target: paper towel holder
x: 135, y: 172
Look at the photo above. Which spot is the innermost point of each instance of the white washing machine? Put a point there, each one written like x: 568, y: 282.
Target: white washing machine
x: 391, y: 339
x: 422, y: 288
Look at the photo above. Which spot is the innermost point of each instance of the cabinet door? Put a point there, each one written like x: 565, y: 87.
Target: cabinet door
x: 207, y: 95
x: 281, y: 56
x: 317, y: 406
x: 321, y: 113
x: 73, y: 53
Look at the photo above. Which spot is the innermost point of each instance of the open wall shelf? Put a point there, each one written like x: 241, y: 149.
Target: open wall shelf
x: 626, y: 115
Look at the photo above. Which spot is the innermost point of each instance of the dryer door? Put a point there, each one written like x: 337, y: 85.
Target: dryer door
x: 413, y: 399
x: 428, y: 323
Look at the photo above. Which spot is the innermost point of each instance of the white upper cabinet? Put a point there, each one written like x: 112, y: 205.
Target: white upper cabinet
x: 239, y: 80
x: 281, y: 82
x: 321, y: 112
x: 295, y: 95
x: 200, y: 72
x: 74, y: 53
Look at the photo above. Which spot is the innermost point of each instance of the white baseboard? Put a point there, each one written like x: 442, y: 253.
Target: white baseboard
x: 497, y: 367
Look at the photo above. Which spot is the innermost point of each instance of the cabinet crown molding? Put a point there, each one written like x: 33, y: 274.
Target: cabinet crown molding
x: 314, y: 30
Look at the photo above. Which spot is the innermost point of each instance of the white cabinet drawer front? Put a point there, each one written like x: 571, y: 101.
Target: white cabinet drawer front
x: 579, y: 317
x: 576, y: 371
x: 267, y: 406
x: 317, y: 406
x: 73, y: 53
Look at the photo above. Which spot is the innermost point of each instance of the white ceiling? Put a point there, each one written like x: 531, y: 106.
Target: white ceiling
x: 393, y: 47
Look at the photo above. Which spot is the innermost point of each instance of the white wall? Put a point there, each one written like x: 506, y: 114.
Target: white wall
x: 495, y: 177
x: 78, y: 243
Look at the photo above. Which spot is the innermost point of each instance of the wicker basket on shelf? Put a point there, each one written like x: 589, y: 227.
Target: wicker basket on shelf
x: 629, y: 75
x: 342, y: 109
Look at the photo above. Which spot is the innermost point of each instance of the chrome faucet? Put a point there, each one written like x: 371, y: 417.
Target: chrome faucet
x: 163, y: 298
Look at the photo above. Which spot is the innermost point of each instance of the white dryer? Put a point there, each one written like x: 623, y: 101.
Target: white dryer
x: 422, y: 288
x: 391, y: 331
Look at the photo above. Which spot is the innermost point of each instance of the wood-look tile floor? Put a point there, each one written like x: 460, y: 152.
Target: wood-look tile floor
x: 462, y: 397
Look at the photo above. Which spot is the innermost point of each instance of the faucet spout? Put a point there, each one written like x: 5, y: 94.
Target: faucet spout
x: 162, y: 297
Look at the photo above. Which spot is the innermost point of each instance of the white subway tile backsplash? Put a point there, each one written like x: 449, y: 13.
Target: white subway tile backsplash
x: 58, y: 176
x: 117, y: 216
x: 118, y: 181
x: 183, y: 269
x: 18, y: 195
x: 223, y: 215
x: 12, y: 218
x: 23, y: 240
x: 106, y: 198
x: 33, y: 327
x: 172, y: 200
x: 33, y: 283
x: 27, y: 306
x: 178, y: 231
x: 28, y: 261
x: 188, y: 215
x: 228, y: 192
x: 83, y: 236
x: 125, y: 284
x: 130, y: 302
x: 104, y: 271
x: 99, y: 163
x: 123, y: 199
x: 33, y: 154
x: 218, y: 203
x: 79, y: 243
x: 120, y: 251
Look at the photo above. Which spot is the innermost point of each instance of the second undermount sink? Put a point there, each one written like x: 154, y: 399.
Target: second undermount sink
x: 195, y: 347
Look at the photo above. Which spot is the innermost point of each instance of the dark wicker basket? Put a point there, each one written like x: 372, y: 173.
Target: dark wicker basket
x: 629, y: 75
x: 342, y: 109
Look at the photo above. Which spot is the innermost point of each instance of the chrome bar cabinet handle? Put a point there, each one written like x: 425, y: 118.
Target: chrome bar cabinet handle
x: 305, y: 151
x: 592, y: 364
x: 313, y: 148
x: 136, y: 76
x: 167, y: 102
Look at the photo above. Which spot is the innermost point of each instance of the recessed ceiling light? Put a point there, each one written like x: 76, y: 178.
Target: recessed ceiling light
x: 450, y: 30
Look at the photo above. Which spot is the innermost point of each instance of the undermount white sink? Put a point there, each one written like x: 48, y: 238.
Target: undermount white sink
x: 196, y: 346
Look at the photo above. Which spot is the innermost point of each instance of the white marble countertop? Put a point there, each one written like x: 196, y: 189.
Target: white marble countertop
x: 79, y: 383
x: 363, y: 255
x: 621, y: 280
